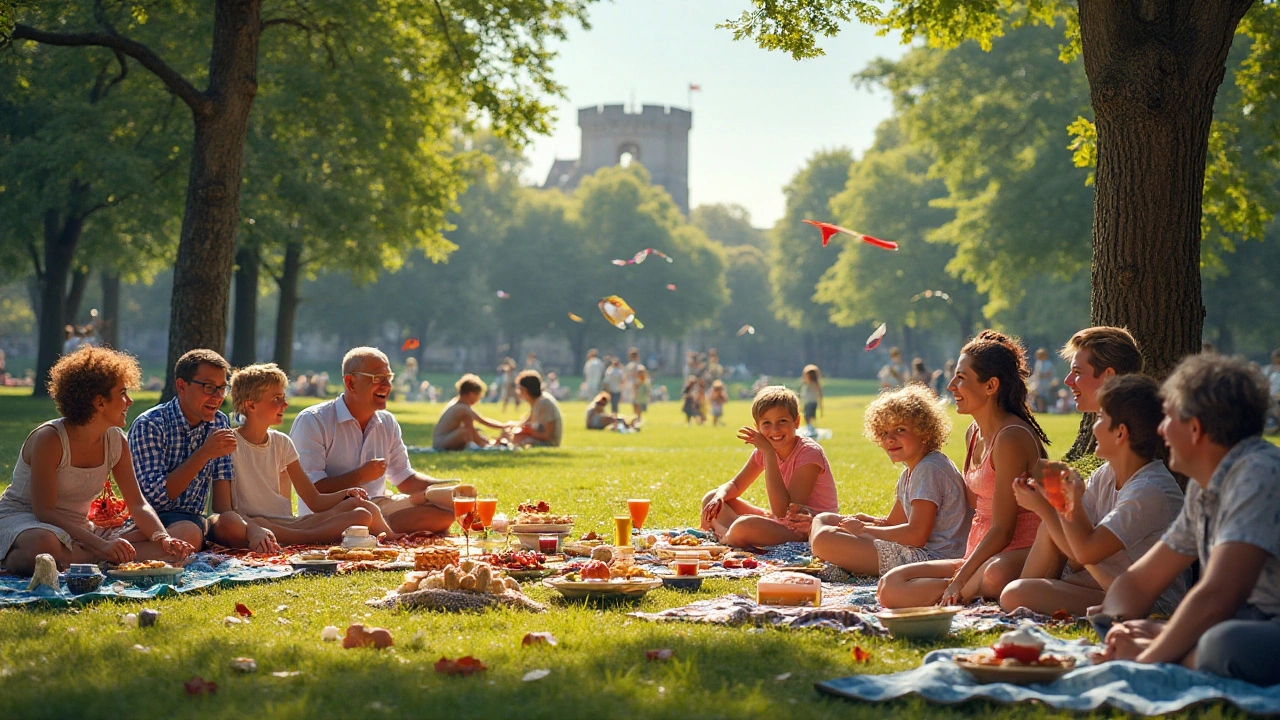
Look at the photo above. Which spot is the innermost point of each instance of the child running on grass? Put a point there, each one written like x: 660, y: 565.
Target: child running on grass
x: 719, y: 396
x: 810, y: 396
x: 797, y: 479
x: 1129, y: 502
x: 930, y: 516
x: 256, y: 507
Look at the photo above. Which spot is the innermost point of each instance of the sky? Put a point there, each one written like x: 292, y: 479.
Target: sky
x: 759, y: 114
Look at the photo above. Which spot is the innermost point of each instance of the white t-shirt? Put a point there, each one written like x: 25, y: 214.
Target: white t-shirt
x: 1138, y: 514
x: 544, y: 412
x: 255, y: 489
x: 937, y: 480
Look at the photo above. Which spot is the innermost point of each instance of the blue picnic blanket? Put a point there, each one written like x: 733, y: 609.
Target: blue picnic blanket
x: 198, y: 575
x: 1127, y: 686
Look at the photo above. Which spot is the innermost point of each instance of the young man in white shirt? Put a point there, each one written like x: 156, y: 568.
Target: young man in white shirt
x: 352, y: 441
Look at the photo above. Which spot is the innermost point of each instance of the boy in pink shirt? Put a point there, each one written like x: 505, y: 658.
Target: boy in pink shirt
x: 797, y: 476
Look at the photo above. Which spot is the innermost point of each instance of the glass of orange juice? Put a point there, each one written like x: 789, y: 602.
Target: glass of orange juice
x: 486, y: 507
x: 639, y: 510
x: 622, y: 524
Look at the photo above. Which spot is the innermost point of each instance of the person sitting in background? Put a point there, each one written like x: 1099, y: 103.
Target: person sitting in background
x: 64, y: 465
x: 255, y: 509
x: 894, y: 374
x: 301, y: 385
x: 599, y: 419
x: 456, y: 429
x: 554, y: 388
x: 797, y: 479
x: 930, y: 516
x: 543, y: 426
x: 1229, y: 623
x: 1084, y: 544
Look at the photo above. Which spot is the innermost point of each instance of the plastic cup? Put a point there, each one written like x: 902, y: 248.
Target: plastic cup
x: 622, y: 526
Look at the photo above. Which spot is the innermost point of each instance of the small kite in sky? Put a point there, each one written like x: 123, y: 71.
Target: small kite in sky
x: 641, y: 257
x: 619, y: 313
x: 931, y: 294
x: 829, y: 229
x: 410, y: 344
x: 575, y: 318
x: 874, y: 341
x: 671, y: 287
x: 504, y: 294
x: 746, y: 330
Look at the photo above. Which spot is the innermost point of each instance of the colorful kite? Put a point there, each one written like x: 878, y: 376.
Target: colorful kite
x: 574, y: 318
x: 671, y: 287
x: 504, y: 294
x: 828, y: 230
x: 931, y: 294
x: 876, y: 337
x: 410, y: 344
x: 746, y: 330
x: 641, y: 257
x: 619, y: 313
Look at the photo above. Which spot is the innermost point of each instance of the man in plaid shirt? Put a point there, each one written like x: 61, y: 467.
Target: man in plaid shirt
x: 180, y: 448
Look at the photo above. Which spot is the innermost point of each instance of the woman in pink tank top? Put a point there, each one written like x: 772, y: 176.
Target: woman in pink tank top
x: 1004, y: 442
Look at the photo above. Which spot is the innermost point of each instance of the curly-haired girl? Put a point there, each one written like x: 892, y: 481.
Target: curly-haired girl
x: 64, y: 465
x: 1004, y: 442
x: 930, y: 515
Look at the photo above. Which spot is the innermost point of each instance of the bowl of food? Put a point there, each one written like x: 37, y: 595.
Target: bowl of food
x: 1017, y: 657
x: 83, y: 578
x: 918, y: 622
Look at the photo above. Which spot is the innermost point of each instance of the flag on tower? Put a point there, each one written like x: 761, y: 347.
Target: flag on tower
x: 694, y: 87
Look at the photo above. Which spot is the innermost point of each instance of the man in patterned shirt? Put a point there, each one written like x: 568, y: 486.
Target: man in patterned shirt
x: 1229, y: 623
x: 180, y: 448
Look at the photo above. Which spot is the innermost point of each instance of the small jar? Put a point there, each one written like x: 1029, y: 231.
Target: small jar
x: 686, y: 564
x: 549, y: 544
x: 357, y: 537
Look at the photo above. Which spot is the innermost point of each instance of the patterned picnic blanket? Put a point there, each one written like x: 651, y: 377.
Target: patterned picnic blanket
x: 1127, y: 686
x: 198, y: 575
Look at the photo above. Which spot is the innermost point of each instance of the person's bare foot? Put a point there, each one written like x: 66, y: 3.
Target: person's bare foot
x: 261, y: 540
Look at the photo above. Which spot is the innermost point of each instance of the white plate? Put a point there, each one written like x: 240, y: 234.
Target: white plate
x: 601, y: 588
x: 529, y: 529
x: 1013, y: 674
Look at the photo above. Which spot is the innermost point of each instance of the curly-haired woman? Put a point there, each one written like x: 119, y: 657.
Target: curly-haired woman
x: 930, y: 515
x: 64, y: 464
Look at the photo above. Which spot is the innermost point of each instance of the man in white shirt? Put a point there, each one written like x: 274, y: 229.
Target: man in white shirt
x: 352, y: 441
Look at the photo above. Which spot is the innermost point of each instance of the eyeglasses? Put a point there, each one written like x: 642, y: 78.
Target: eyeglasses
x: 211, y: 388
x: 379, y: 379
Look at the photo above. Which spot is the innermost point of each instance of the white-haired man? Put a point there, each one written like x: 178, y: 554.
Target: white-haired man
x: 353, y: 441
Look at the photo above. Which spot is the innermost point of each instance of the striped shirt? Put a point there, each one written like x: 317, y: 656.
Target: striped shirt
x: 160, y: 440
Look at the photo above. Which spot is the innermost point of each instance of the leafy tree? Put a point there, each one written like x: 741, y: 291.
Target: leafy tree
x: 729, y: 225
x: 494, y: 57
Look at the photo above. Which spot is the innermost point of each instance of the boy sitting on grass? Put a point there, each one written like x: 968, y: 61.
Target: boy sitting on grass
x: 930, y: 517
x: 256, y: 507
x: 797, y: 478
x: 1129, y: 503
x: 456, y: 428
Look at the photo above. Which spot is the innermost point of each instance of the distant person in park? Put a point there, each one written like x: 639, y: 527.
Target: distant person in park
x: 810, y: 396
x: 690, y: 401
x: 920, y: 373
x: 531, y: 363
x: 715, y: 370
x: 352, y: 441
x: 1229, y: 622
x: 1042, y: 381
x: 630, y: 377
x: 543, y: 426
x: 895, y: 373
x: 456, y: 429
x: 70, y: 339
x: 507, y: 383
x: 65, y: 464
x: 717, y: 399
x: 797, y: 479
x: 613, y: 383
x: 598, y: 417
x: 593, y: 373
x: 180, y: 448
x: 644, y: 389
x: 255, y: 508
x: 930, y: 516
x: 1103, y: 528
x: 1004, y: 442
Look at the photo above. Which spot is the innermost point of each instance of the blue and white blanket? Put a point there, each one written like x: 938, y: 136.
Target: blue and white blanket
x: 1127, y: 686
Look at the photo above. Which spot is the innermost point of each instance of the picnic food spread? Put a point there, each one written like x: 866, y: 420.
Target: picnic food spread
x: 363, y: 555
x: 1017, y: 648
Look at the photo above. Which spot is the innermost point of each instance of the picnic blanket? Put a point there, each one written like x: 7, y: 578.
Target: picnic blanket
x: 738, y: 610
x: 1127, y: 686
x: 198, y: 575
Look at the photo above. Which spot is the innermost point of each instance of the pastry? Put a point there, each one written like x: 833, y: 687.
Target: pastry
x: 435, y: 557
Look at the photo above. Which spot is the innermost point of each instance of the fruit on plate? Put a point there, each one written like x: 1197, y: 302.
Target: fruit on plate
x: 595, y: 570
x: 532, y: 506
x: 539, y: 513
x: 1020, y: 645
x: 517, y: 560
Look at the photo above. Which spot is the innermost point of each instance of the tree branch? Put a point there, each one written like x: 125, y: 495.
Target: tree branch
x: 177, y: 84
x: 294, y: 22
x: 444, y: 25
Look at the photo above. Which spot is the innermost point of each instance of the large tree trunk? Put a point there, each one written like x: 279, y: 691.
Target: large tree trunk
x: 206, y: 246
x: 110, y: 280
x: 287, y: 311
x: 1154, y: 67
x: 75, y: 295
x: 61, y: 236
x: 244, y: 339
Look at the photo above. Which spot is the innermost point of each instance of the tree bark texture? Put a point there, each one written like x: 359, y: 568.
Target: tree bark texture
x: 75, y: 295
x: 206, y: 246
x: 244, y: 339
x: 287, y: 312
x: 62, y: 232
x: 110, y: 308
x: 1154, y: 68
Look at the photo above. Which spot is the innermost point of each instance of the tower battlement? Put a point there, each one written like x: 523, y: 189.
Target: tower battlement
x: 649, y: 115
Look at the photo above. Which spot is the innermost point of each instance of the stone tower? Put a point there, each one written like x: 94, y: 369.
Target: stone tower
x: 657, y: 137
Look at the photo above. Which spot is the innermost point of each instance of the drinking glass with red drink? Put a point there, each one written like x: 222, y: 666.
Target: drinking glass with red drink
x: 639, y: 510
x: 463, y: 506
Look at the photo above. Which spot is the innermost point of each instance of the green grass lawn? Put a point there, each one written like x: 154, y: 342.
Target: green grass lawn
x: 59, y: 663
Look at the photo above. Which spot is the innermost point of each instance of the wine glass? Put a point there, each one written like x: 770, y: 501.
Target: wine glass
x: 485, y: 508
x: 463, y: 506
x: 639, y: 509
